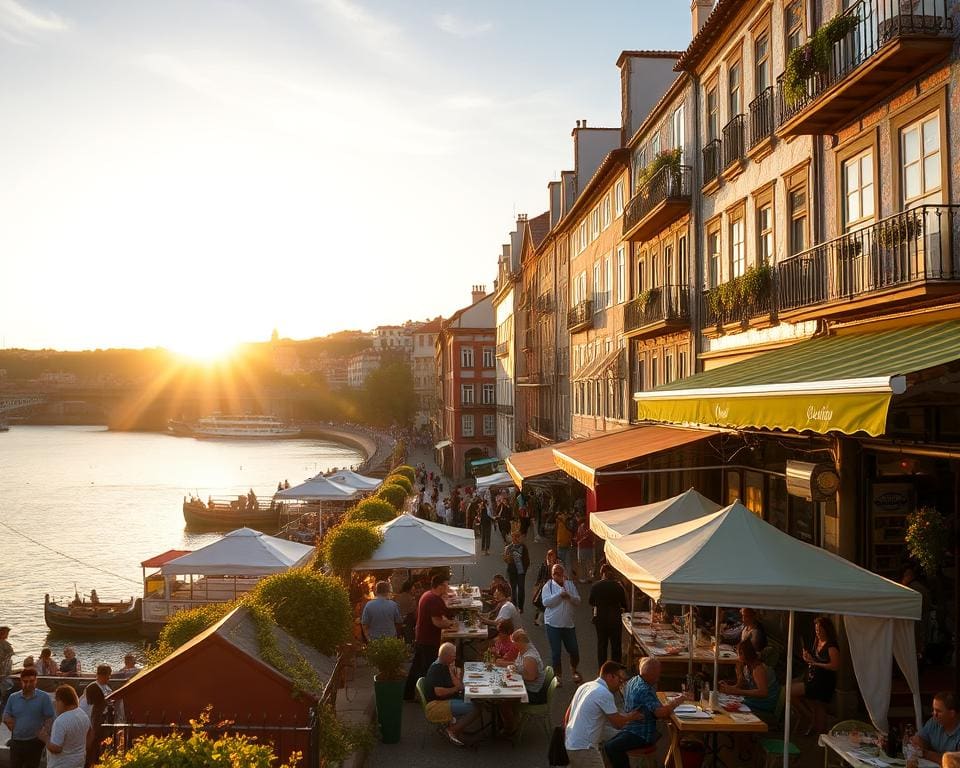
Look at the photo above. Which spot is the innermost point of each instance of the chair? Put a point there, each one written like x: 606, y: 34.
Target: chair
x: 643, y: 757
x: 538, y: 711
x: 441, y: 728
x: 770, y: 754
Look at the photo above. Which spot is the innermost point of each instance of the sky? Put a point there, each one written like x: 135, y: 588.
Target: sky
x: 196, y: 173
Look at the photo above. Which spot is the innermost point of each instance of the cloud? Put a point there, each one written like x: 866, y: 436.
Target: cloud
x: 373, y: 32
x: 461, y: 27
x: 20, y: 25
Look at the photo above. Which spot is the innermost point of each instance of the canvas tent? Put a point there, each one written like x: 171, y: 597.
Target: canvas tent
x: 318, y: 488
x: 353, y: 479
x: 616, y: 523
x: 495, y: 480
x: 409, y: 542
x: 243, y: 552
x: 705, y: 561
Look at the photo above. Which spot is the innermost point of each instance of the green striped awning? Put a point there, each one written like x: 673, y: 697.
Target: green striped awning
x: 842, y: 382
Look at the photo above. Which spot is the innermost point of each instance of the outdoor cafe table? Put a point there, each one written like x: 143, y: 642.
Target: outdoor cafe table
x: 851, y: 755
x: 464, y: 633
x: 718, y: 722
x: 470, y: 600
x: 669, y: 646
x: 496, y: 685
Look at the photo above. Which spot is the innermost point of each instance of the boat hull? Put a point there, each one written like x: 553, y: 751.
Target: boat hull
x: 196, y: 514
x: 103, y: 619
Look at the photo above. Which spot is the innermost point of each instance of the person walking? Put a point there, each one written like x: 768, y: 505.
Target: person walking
x: 517, y: 557
x: 560, y: 599
x: 433, y: 617
x: 565, y: 528
x: 27, y: 713
x: 543, y: 576
x: 584, y: 540
x: 486, y: 526
x: 609, y: 601
x: 504, y: 516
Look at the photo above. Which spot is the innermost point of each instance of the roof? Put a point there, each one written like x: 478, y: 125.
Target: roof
x: 157, y: 560
x: 431, y: 326
x: 243, y: 552
x: 445, y: 323
x: 526, y: 465
x: 708, y: 34
x: 539, y: 227
x: 648, y: 55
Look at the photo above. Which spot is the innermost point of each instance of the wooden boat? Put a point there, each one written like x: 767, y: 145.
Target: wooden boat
x: 89, y: 618
x: 229, y: 514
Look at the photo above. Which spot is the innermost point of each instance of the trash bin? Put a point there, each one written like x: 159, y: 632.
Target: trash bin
x: 692, y: 753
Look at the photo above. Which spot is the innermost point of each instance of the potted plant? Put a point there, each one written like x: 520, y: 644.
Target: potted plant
x: 387, y: 655
x: 813, y: 57
x: 899, y: 230
x: 926, y: 538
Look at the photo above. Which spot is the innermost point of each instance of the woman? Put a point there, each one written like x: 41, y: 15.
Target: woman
x: 486, y: 526
x: 46, y: 665
x: 504, y: 516
x: 502, y: 609
x: 71, y: 664
x: 67, y: 739
x: 543, y: 576
x: 93, y: 693
x: 517, y: 557
x: 504, y: 648
x: 530, y: 666
x: 756, y: 682
x: 815, y: 691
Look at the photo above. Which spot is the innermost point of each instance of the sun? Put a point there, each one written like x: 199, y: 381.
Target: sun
x: 206, y: 349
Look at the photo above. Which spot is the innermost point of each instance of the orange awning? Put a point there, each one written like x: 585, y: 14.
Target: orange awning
x: 526, y: 464
x: 157, y: 560
x: 583, y: 459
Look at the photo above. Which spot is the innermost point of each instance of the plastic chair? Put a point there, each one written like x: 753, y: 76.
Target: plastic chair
x: 441, y: 728
x: 770, y: 753
x: 538, y: 711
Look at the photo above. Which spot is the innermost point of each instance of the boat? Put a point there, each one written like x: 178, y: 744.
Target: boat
x: 226, y: 514
x: 179, y: 428
x: 85, y: 617
x: 243, y: 427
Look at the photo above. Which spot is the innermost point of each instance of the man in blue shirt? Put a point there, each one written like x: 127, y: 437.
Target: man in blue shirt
x: 641, y: 694
x: 381, y: 616
x: 941, y: 733
x: 28, y: 711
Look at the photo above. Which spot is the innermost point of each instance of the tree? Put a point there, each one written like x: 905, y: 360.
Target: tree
x: 390, y: 397
x: 395, y: 494
x: 349, y: 543
x: 372, y: 510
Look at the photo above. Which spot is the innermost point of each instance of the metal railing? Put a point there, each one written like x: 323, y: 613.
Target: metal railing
x: 711, y: 160
x: 878, y: 22
x: 910, y: 247
x: 733, y: 141
x: 761, y: 117
x: 503, y: 349
x: 580, y: 316
x: 668, y: 302
x: 544, y: 303
x: 505, y: 408
x: 723, y: 305
x: 542, y: 426
x: 667, y: 183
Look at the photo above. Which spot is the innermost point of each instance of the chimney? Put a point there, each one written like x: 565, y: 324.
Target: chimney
x: 478, y: 292
x: 700, y: 10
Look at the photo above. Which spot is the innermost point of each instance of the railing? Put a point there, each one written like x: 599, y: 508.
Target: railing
x: 726, y: 304
x: 544, y: 303
x: 711, y: 160
x: 542, y: 426
x: 503, y: 349
x: 668, y: 302
x: 733, y: 144
x: 878, y: 22
x: 664, y: 184
x: 505, y: 408
x: 761, y: 117
x: 580, y: 315
x: 909, y: 247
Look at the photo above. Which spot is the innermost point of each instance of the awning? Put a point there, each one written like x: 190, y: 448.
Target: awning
x: 483, y: 462
x: 529, y: 464
x: 443, y: 444
x: 599, y: 366
x: 165, y: 557
x: 583, y: 460
x: 838, y: 383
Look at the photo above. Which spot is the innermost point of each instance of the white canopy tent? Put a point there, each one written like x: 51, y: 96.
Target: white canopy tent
x: 615, y: 523
x: 409, y: 542
x: 318, y: 488
x: 353, y: 479
x: 494, y: 480
x: 243, y: 552
x: 704, y: 561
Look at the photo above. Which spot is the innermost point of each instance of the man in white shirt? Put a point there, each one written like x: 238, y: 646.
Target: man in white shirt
x: 67, y: 740
x: 560, y: 599
x: 592, y: 708
x: 103, y: 679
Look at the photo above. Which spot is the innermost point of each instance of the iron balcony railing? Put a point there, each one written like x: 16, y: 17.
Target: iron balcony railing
x: 761, y: 117
x: 733, y: 141
x: 712, y: 160
x: 910, y: 247
x: 544, y: 303
x: 667, y: 183
x: 580, y: 316
x: 503, y: 348
x: 727, y: 303
x: 657, y: 305
x: 876, y: 23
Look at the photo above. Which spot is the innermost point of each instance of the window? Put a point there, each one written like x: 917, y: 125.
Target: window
x: 488, y: 357
x: 738, y: 258
x: 654, y: 379
x: 466, y: 394
x: 466, y: 357
x: 765, y: 233
x: 793, y: 24
x: 638, y: 382
x: 713, y: 114
x: 920, y: 158
x: 606, y: 212
x: 761, y: 63
x: 489, y: 394
x: 618, y: 198
x: 683, y: 275
x: 621, y: 274
x: 595, y: 224
x: 654, y: 270
x: 668, y: 265
x: 797, y: 203
x: 735, y: 82
x: 713, y: 256
x: 655, y: 145
x: 597, y: 287
x: 607, y: 280
x: 677, y: 130
x: 641, y: 275
x: 489, y: 424
x: 858, y: 190
x: 582, y: 243
x: 466, y: 424
x: 681, y: 365
x: 667, y: 368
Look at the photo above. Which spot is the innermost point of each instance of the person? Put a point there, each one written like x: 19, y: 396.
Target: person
x: 381, y: 616
x: 529, y: 664
x: 811, y: 695
x: 749, y: 628
x: 584, y: 540
x: 504, y: 515
x: 560, y: 599
x: 66, y: 740
x: 444, y: 682
x: 46, y: 665
x: 70, y: 665
x: 593, y: 707
x: 94, y: 597
x: 502, y: 609
x: 609, y: 602
x: 487, y: 516
x: 517, y: 557
x: 102, y: 682
x: 6, y: 662
x: 29, y: 663
x: 498, y: 580
x: 941, y: 733
x: 93, y: 694
x: 406, y: 600
x: 565, y: 528
x: 504, y: 649
x: 433, y: 617
x: 756, y: 681
x: 543, y: 576
x: 640, y: 694
x: 26, y: 714
x: 130, y: 667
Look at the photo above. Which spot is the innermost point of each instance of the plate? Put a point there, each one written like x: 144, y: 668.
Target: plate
x: 474, y: 689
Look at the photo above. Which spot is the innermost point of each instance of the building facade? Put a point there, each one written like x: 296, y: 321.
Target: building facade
x: 423, y: 365
x: 504, y: 300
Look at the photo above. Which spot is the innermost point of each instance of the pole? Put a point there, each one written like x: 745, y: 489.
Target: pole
x: 690, y: 643
x: 786, y: 710
x: 716, y: 647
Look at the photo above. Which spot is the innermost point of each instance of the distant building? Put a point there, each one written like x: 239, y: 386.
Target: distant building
x: 359, y: 366
x: 393, y: 338
x: 423, y: 364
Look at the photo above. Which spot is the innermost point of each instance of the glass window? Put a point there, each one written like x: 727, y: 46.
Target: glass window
x: 713, y: 114
x: 489, y: 394
x: 597, y: 287
x: 655, y: 270
x: 738, y: 263
x: 654, y: 380
x: 683, y: 274
x: 466, y: 394
x: 677, y: 130
x: 667, y: 368
x: 607, y: 281
x: 681, y: 365
x: 713, y: 252
x: 606, y: 211
x: 489, y: 424
x: 920, y: 158
x: 655, y: 145
x: 668, y: 265
x: 641, y: 275
x: 466, y: 424
x: 621, y: 275
x: 858, y: 189
x: 488, y: 357
x: 583, y: 236
x: 595, y: 224
x: 734, y: 79
x: 793, y: 24
x: 618, y: 198
x: 765, y: 234
x: 466, y: 357
x: 761, y: 63
x: 797, y: 198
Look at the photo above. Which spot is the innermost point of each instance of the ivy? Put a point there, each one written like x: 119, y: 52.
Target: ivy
x: 813, y: 57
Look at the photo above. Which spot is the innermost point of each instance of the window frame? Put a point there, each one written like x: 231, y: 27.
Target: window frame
x: 618, y: 199
x: 846, y: 223
x: 795, y: 179
x: 621, y: 273
x: 800, y: 28
x: 467, y: 394
x: 711, y: 90
x: 488, y: 357
x: 465, y: 354
x: 736, y: 248
x: 488, y: 394
x: 467, y: 418
x: 765, y: 198
x: 936, y: 101
x: 491, y: 419
x: 714, y: 258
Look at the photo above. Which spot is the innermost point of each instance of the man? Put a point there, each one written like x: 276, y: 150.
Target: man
x: 560, y: 599
x: 565, y: 528
x: 517, y: 557
x: 67, y: 739
x: 433, y: 617
x: 130, y: 667
x: 381, y: 616
x: 749, y: 628
x: 592, y: 708
x: 27, y: 713
x: 444, y: 682
x: 103, y: 680
x: 640, y: 695
x: 941, y: 733
x: 609, y: 602
x: 6, y: 662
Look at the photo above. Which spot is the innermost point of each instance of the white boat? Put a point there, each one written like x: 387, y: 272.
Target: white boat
x: 243, y: 427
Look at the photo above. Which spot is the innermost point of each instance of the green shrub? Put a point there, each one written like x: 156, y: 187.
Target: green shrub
x: 400, y: 480
x: 376, y: 511
x: 394, y: 494
x: 388, y: 655
x: 407, y: 471
x: 336, y: 741
x: 186, y: 625
x: 350, y: 543
x: 308, y: 605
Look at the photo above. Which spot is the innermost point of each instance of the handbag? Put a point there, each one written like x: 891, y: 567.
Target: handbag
x: 538, y: 598
x: 557, y: 753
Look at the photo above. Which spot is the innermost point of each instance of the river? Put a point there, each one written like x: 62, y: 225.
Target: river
x: 81, y: 507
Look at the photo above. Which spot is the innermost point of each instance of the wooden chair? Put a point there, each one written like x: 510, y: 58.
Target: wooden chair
x: 541, y: 712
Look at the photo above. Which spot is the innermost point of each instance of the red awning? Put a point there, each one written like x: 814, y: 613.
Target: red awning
x: 171, y: 554
x: 526, y: 464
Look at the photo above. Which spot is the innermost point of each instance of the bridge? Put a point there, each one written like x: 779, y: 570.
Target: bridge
x: 13, y: 403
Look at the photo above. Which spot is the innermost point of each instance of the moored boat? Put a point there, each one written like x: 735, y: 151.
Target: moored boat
x: 228, y: 514
x: 244, y: 427
x: 82, y: 617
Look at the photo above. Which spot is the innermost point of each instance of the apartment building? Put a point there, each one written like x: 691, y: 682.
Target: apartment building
x: 424, y: 368
x: 397, y: 339
x: 360, y: 366
x: 504, y: 310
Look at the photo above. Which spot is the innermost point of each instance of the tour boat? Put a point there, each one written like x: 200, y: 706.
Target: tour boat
x: 245, y: 427
x: 83, y: 617
x: 223, y: 514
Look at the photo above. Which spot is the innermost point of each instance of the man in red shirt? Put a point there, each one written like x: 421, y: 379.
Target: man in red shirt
x: 433, y: 617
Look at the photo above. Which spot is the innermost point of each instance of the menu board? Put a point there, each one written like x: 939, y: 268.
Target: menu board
x: 890, y: 503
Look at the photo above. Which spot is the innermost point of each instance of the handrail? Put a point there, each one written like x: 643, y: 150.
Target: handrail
x: 660, y: 304
x: 580, y: 314
x: 761, y: 116
x: 711, y: 160
x: 670, y: 182
x: 733, y: 144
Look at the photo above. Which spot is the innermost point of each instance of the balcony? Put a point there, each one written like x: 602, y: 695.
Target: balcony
x: 503, y: 349
x: 887, y: 43
x: 542, y: 427
x: 762, y: 123
x: 734, y: 146
x: 580, y: 316
x: 745, y: 301
x: 505, y: 409
x: 904, y: 259
x: 528, y: 339
x: 530, y: 379
x: 658, y: 310
x: 712, y: 161
x: 544, y: 303
x: 658, y: 203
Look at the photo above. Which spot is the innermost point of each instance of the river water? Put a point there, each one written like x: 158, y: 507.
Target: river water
x: 81, y: 507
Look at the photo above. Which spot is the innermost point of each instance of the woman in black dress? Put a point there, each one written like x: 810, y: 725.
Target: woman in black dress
x: 811, y: 694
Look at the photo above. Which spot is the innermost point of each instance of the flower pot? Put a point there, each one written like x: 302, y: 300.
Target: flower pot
x: 389, y: 698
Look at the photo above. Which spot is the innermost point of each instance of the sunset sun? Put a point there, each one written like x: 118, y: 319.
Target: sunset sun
x: 204, y: 348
